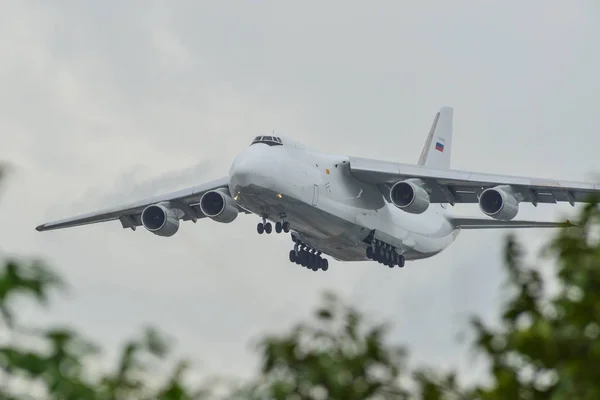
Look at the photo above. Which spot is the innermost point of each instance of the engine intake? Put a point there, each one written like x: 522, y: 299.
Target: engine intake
x: 410, y: 197
x: 218, y: 206
x: 499, y: 203
x: 160, y: 220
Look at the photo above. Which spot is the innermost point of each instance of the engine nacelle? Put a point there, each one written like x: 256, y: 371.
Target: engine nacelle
x: 499, y: 203
x: 218, y: 206
x: 409, y: 196
x: 160, y: 220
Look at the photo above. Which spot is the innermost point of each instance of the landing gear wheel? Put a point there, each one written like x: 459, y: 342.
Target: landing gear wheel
x: 278, y: 227
x: 370, y: 253
x: 303, y: 257
x: 260, y: 228
x: 325, y: 265
x: 268, y: 228
x: 286, y: 227
x: 401, y: 261
x: 292, y: 256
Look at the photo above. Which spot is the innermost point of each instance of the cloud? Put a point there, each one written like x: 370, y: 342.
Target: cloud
x: 103, y: 103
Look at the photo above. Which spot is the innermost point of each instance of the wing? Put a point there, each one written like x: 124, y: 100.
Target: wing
x: 454, y: 186
x: 185, y: 200
x: 486, y: 223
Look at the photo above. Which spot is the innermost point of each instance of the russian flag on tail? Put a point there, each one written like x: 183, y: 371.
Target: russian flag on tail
x: 439, y: 145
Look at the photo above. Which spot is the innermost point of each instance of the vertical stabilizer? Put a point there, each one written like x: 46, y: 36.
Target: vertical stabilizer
x: 438, y: 147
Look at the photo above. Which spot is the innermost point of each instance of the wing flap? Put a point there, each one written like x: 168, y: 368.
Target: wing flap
x: 129, y: 214
x: 485, y: 223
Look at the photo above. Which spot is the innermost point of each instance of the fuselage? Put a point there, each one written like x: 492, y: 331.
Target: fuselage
x: 327, y: 207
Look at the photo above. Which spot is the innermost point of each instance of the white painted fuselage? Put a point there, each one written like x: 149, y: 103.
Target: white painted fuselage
x: 328, y: 208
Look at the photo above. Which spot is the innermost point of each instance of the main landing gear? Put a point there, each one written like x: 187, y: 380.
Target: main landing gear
x: 385, y: 254
x: 266, y: 227
x: 307, y: 257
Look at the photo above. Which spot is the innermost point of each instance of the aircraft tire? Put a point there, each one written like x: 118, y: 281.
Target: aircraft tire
x: 268, y: 228
x: 292, y: 256
x: 388, y: 257
x: 303, y: 257
x: 401, y: 261
x: 286, y: 227
x: 325, y: 265
x: 278, y: 227
x: 260, y: 228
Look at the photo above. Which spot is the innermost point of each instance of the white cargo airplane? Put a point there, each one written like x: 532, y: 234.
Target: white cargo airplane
x: 350, y: 208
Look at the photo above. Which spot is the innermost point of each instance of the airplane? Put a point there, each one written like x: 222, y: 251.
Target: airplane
x: 345, y: 207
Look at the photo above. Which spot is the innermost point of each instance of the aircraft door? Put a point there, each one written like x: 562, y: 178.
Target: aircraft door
x: 315, y: 195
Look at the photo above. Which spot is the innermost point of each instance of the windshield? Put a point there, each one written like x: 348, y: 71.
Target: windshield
x: 269, y: 140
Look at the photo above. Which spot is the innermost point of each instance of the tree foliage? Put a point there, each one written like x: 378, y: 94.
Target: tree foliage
x: 59, y: 369
x: 547, y: 345
x: 339, y: 357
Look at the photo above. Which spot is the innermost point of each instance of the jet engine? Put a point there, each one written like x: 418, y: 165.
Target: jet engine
x: 160, y: 220
x: 218, y: 206
x: 409, y: 196
x: 499, y: 203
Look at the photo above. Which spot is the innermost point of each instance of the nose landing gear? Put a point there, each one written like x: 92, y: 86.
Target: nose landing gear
x: 267, y: 227
x: 263, y: 227
x: 282, y: 226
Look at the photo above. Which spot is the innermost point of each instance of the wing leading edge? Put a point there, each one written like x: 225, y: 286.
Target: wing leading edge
x: 455, y: 186
x: 185, y: 200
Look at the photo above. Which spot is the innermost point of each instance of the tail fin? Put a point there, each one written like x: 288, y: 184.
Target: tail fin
x: 438, y: 148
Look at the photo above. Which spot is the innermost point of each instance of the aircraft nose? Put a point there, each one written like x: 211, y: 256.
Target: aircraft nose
x: 251, y: 167
x: 244, y: 169
x: 241, y: 171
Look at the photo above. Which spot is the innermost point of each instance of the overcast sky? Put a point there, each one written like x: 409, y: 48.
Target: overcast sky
x: 106, y: 102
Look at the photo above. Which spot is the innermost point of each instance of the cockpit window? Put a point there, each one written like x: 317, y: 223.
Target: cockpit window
x: 268, y: 140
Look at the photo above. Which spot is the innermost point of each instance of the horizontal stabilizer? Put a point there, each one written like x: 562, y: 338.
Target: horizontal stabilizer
x: 486, y: 223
